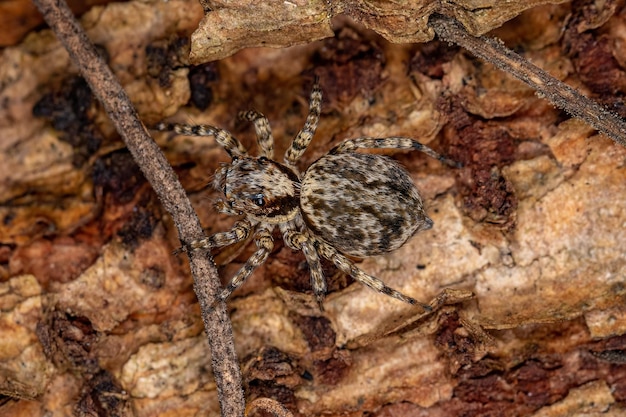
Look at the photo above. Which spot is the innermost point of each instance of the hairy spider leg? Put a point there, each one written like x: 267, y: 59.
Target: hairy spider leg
x: 265, y: 243
x: 263, y: 131
x: 348, y: 267
x: 240, y: 231
x: 304, y: 137
x: 300, y: 241
x: 223, y: 137
x: 393, y: 142
x: 318, y: 283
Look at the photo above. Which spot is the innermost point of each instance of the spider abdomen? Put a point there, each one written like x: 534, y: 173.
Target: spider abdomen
x: 362, y: 204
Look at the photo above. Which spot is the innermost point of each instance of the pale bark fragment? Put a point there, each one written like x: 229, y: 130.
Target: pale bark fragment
x: 231, y: 26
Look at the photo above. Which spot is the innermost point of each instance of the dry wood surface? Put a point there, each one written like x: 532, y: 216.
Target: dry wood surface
x: 525, y: 263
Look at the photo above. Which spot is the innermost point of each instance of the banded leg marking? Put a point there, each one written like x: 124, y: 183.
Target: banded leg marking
x: 304, y: 137
x: 263, y: 131
x: 304, y: 243
x: 223, y: 137
x: 393, y: 142
x: 240, y: 231
x: 265, y: 244
x: 348, y: 267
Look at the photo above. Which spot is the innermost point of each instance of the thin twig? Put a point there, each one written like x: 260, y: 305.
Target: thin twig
x: 560, y: 94
x: 173, y: 197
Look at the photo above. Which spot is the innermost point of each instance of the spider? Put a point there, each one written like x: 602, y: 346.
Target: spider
x: 345, y: 204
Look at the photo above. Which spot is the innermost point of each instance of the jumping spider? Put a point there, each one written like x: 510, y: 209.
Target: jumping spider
x: 345, y: 203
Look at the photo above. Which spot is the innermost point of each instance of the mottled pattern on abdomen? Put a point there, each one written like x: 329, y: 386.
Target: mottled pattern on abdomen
x: 361, y: 204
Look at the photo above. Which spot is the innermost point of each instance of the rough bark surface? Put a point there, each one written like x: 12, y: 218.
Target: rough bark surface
x: 98, y: 318
x: 229, y: 26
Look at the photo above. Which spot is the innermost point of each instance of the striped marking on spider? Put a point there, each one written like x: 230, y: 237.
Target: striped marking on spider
x: 345, y: 203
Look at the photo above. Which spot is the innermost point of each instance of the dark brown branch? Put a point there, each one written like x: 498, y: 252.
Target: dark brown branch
x: 173, y: 197
x: 560, y: 94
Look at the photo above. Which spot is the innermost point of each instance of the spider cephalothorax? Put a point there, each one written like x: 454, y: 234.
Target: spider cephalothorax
x: 345, y: 203
x: 261, y: 188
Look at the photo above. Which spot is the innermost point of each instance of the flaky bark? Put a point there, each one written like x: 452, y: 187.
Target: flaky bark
x: 98, y: 314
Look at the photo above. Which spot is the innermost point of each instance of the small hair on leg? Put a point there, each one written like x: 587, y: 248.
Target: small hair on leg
x: 392, y: 142
x: 347, y: 266
x: 305, y: 135
x: 230, y: 143
x: 240, y: 231
x: 265, y: 244
x: 305, y: 244
x: 265, y: 140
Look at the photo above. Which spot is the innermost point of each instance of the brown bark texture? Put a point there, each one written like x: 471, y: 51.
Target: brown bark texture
x: 524, y: 265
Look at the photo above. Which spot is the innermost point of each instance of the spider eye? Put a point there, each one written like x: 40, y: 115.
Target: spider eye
x: 263, y: 159
x: 259, y: 200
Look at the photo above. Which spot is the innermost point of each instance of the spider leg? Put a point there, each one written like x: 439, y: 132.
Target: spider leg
x: 300, y: 241
x: 265, y: 244
x: 223, y: 137
x: 393, y: 142
x: 303, y: 138
x: 237, y: 233
x: 348, y: 267
x: 263, y: 131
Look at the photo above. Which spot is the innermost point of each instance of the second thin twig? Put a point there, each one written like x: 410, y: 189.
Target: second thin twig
x: 560, y: 94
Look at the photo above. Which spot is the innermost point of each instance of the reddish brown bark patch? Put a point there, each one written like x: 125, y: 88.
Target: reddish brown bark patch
x: 331, y: 371
x: 347, y: 65
x: 430, y: 58
x: 60, y: 260
x: 202, y: 79
x: 592, y: 54
x: 316, y: 330
x: 483, y: 149
x: 520, y: 386
x: 165, y: 56
x: 455, y: 341
x: 103, y: 396
x: 70, y: 108
x: 272, y: 374
x: 69, y: 341
x: 140, y: 226
x: 117, y: 175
